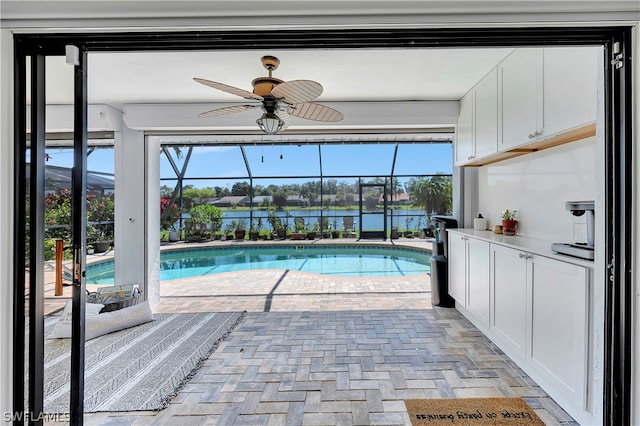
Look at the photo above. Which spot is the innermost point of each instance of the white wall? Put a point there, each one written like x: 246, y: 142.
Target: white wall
x: 537, y: 185
x: 6, y: 224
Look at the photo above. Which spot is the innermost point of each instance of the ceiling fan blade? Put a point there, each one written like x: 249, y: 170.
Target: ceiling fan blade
x: 297, y: 91
x: 229, y: 89
x: 226, y: 110
x: 317, y: 112
x: 284, y: 116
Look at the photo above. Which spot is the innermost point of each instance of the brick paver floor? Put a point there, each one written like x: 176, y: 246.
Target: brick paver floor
x: 315, y: 350
x: 343, y: 367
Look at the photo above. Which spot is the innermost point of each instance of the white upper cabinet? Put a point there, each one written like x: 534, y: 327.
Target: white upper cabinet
x: 570, y: 90
x: 486, y: 115
x: 521, y: 97
x: 477, y: 130
x: 536, y: 98
x: 464, y: 131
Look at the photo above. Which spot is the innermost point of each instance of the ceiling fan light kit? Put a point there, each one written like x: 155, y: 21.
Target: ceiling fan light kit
x: 270, y: 123
x: 279, y: 100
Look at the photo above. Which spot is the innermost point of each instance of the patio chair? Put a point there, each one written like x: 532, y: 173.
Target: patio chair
x: 349, y: 226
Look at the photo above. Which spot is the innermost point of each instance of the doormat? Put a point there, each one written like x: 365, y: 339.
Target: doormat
x: 471, y: 411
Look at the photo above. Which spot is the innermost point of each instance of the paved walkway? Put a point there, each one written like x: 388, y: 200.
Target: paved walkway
x: 315, y: 350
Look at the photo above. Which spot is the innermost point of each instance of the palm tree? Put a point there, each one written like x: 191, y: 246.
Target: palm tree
x: 309, y: 192
x: 433, y: 193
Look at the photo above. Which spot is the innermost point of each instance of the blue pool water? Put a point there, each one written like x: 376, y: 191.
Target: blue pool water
x: 349, y: 261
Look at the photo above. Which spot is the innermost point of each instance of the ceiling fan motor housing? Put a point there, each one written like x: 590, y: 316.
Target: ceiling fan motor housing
x: 262, y: 86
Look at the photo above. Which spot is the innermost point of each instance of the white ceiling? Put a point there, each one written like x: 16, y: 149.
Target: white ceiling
x: 374, y: 76
x: 380, y: 75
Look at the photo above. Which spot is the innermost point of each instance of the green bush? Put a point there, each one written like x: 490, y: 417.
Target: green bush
x: 206, y: 213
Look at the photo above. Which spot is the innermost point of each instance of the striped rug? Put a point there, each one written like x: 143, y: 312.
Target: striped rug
x: 141, y: 368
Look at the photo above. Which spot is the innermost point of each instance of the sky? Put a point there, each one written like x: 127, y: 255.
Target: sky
x: 289, y: 161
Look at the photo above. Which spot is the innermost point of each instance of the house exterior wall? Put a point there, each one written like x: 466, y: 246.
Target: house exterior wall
x: 488, y: 17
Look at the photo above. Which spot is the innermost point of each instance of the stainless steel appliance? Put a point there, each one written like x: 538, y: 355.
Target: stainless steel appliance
x: 583, y: 231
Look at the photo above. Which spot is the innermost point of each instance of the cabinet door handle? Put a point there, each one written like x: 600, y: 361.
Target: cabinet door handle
x: 532, y: 135
x: 522, y: 255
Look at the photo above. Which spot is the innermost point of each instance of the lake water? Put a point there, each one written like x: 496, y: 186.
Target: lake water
x: 312, y: 217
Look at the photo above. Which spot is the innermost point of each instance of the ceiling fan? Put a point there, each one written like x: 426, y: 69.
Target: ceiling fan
x: 279, y: 100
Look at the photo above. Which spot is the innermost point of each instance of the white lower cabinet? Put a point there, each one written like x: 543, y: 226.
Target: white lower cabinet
x: 535, y: 308
x: 540, y: 312
x: 478, y: 278
x: 509, y: 297
x: 469, y: 275
x: 457, y: 261
x: 559, y: 326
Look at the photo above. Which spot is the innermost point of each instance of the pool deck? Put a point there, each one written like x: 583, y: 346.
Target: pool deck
x: 289, y: 290
x: 318, y: 350
x: 277, y: 290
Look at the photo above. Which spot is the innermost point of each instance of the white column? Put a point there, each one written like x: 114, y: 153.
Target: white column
x: 131, y: 245
x: 152, y: 200
x: 6, y: 224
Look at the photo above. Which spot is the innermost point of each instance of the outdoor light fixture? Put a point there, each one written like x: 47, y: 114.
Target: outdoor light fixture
x: 270, y: 123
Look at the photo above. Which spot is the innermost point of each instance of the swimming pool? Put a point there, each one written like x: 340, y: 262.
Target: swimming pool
x: 337, y: 260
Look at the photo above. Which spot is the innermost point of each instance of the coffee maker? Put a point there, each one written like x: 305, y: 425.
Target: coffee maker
x: 583, y: 231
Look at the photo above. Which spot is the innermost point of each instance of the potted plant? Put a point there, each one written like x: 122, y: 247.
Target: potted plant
x: 198, y: 217
x: 299, y: 229
x: 509, y: 222
x: 256, y: 226
x: 101, y: 245
x: 98, y: 238
x: 90, y: 249
x: 408, y: 220
x: 334, y: 231
x: 175, y: 232
x: 311, y: 234
x: 239, y: 227
x: 229, y: 230
x: 278, y: 228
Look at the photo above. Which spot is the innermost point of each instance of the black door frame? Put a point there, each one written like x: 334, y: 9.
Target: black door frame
x: 617, y: 133
x: 35, y: 197
x: 377, y: 234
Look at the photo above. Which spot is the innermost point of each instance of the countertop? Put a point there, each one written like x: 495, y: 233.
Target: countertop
x: 530, y: 245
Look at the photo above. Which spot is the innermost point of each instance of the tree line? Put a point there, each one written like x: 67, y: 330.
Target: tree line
x: 433, y: 193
